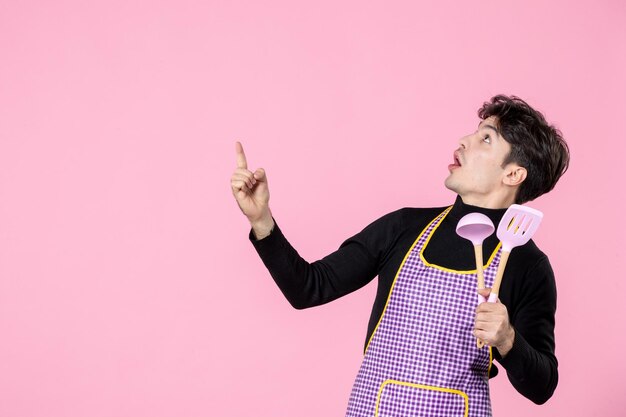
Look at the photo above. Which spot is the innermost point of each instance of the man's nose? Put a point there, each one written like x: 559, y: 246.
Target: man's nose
x: 463, y: 142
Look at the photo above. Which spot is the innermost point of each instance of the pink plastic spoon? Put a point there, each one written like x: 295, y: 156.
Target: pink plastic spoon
x: 476, y: 227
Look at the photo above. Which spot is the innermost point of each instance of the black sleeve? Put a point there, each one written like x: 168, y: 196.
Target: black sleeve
x: 531, y: 364
x: 349, y: 268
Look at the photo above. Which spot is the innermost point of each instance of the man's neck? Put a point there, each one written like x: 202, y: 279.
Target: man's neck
x: 489, y: 201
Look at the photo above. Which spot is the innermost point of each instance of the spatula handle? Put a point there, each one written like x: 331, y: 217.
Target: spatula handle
x: 495, y: 290
x: 493, y: 297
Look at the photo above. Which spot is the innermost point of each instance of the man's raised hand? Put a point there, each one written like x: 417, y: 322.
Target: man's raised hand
x: 252, y: 194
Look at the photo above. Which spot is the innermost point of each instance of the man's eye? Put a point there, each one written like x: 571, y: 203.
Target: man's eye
x: 487, y: 139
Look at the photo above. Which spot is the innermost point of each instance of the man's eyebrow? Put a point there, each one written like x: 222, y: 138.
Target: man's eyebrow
x: 489, y: 127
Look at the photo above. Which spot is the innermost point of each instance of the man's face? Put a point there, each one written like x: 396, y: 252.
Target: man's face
x: 477, y: 170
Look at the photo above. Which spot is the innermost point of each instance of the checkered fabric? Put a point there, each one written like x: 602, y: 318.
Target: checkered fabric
x: 422, y: 359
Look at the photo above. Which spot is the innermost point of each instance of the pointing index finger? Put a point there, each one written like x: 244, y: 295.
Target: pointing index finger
x: 241, y: 156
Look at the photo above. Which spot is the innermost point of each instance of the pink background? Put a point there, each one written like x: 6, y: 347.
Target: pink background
x: 128, y: 286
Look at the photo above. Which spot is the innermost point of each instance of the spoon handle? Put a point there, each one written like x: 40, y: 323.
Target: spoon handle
x: 478, y: 253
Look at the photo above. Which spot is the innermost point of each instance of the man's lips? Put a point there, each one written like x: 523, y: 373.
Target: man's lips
x: 457, y: 157
x: 456, y: 160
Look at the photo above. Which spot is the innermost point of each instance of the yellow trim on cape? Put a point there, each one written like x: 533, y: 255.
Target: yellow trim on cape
x: 406, y: 256
x: 472, y: 271
x: 426, y: 387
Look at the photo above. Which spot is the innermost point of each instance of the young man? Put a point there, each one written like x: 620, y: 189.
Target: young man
x: 420, y: 354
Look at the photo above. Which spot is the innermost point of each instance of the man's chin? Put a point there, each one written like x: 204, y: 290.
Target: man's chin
x: 449, y: 183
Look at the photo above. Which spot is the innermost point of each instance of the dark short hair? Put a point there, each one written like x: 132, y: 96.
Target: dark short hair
x: 535, y: 145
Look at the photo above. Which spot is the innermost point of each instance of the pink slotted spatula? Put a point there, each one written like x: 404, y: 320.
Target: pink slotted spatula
x: 517, y: 227
x: 476, y: 227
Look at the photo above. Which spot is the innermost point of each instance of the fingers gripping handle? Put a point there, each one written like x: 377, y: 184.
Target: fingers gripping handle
x: 480, y: 343
x: 493, y: 297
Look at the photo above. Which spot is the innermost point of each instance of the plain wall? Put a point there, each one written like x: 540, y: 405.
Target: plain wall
x: 128, y: 286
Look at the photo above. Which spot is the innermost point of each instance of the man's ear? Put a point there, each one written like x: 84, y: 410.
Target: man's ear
x: 515, y: 175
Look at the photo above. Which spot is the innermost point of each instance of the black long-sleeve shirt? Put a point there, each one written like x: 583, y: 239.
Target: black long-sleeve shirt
x: 528, y: 288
